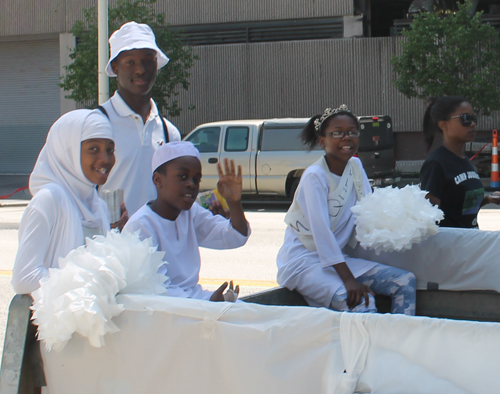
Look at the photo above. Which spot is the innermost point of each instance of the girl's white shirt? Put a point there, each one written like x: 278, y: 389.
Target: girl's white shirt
x: 64, y: 201
x: 312, y: 273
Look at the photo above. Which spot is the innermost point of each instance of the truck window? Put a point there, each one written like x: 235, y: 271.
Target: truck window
x: 206, y: 139
x: 282, y: 139
x: 236, y: 139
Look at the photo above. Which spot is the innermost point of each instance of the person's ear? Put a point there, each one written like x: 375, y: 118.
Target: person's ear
x: 321, y: 141
x: 157, y: 179
x: 114, y: 66
x: 443, y: 125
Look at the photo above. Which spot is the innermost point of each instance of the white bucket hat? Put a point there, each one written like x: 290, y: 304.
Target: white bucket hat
x: 133, y: 35
x: 172, y: 150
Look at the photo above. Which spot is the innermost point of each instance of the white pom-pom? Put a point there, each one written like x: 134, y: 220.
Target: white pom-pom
x: 80, y: 296
x: 392, y: 219
x: 140, y: 260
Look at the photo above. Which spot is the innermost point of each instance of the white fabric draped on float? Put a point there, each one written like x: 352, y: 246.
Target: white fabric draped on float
x: 455, y: 258
x: 188, y: 346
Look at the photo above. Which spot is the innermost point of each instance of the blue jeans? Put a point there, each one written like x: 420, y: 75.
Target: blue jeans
x: 399, y: 284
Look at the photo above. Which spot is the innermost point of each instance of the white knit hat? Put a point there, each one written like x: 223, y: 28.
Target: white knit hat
x: 133, y: 35
x: 173, y: 150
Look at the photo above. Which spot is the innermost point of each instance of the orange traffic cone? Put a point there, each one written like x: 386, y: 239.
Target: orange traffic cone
x: 494, y: 161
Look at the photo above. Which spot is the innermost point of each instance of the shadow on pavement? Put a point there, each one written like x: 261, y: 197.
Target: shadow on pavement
x: 265, y: 204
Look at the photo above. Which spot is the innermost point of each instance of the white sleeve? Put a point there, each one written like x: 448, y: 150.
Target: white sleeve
x: 34, y: 242
x: 215, y: 231
x: 313, y: 200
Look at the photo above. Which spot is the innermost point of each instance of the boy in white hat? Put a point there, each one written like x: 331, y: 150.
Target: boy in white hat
x: 178, y: 225
x: 139, y: 129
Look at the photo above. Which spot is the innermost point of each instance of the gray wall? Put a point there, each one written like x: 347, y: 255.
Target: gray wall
x: 25, y: 17
x: 29, y: 100
x: 185, y: 12
x: 21, y: 17
x: 278, y: 79
x: 296, y: 78
x: 299, y: 79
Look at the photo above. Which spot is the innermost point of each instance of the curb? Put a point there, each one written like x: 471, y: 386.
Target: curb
x: 14, y: 203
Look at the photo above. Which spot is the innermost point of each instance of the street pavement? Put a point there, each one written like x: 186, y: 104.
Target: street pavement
x: 253, y: 266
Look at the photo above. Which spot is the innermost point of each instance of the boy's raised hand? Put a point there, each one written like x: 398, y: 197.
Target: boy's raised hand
x: 230, y: 187
x: 230, y: 182
x: 230, y: 296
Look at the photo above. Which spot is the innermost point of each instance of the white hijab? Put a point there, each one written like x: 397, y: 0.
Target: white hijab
x: 59, y: 161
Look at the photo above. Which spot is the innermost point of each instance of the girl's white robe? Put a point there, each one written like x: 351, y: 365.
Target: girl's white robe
x: 50, y: 228
x: 312, y: 273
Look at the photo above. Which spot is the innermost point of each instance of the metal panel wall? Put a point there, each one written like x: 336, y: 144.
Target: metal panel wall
x: 29, y: 103
x: 74, y: 11
x: 299, y: 79
x: 183, y: 12
x: 20, y: 17
x: 24, y: 17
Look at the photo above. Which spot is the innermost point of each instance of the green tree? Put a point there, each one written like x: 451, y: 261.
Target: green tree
x: 81, y: 77
x: 451, y: 54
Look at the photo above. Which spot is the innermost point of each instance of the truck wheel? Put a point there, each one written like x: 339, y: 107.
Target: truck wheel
x: 293, y: 188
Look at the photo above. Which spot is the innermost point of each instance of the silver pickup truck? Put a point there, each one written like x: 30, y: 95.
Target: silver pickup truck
x: 273, y: 158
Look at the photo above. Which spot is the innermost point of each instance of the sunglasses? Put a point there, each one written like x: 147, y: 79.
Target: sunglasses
x: 466, y: 119
x: 342, y: 134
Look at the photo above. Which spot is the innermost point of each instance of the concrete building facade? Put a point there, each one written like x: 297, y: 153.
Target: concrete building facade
x: 258, y: 59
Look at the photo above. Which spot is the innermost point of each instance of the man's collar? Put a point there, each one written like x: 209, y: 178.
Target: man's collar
x: 122, y: 108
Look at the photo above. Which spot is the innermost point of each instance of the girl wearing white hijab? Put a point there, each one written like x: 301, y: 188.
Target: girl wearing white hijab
x: 65, y: 209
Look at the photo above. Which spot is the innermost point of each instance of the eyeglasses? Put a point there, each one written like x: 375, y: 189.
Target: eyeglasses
x: 342, y: 134
x: 466, y: 119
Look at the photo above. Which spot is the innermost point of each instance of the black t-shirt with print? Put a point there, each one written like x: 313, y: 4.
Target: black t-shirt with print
x: 456, y: 183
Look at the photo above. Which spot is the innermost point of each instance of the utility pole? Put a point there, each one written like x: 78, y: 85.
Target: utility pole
x: 102, y: 50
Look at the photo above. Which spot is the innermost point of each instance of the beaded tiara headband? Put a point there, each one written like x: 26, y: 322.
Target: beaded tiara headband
x: 329, y: 112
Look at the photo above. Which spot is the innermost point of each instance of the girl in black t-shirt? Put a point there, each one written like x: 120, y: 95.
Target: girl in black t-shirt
x: 447, y: 174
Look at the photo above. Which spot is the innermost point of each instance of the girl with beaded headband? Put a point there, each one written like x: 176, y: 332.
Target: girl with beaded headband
x: 320, y: 224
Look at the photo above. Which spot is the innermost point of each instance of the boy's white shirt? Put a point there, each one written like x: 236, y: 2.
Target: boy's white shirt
x: 180, y: 240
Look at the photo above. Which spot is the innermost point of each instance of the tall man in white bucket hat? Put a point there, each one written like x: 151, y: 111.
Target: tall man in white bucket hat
x: 138, y: 127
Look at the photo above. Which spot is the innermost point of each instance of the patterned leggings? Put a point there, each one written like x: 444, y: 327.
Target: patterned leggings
x: 382, y: 279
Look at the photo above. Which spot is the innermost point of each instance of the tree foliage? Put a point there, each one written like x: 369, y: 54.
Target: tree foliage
x: 451, y: 54
x: 81, y: 78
